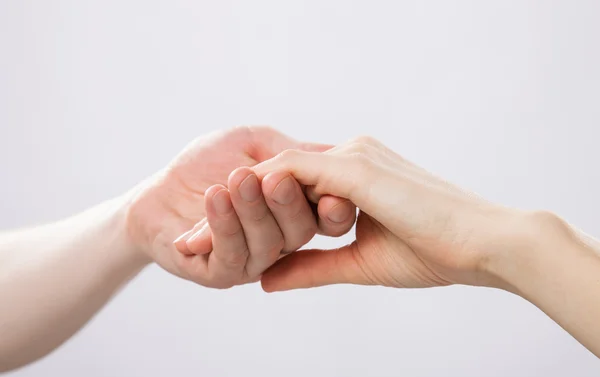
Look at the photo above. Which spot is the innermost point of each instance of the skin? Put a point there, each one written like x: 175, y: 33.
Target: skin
x: 56, y: 277
x: 415, y: 230
x: 245, y: 237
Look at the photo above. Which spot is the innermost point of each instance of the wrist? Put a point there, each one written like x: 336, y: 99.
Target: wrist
x: 130, y: 253
x: 530, y: 240
x: 133, y: 252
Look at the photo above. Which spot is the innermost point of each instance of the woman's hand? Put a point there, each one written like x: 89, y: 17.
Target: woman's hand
x: 414, y: 229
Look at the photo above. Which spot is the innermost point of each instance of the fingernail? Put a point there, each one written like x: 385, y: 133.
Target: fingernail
x: 249, y: 188
x: 184, y: 236
x: 221, y: 202
x: 340, y: 212
x: 198, y: 234
x: 285, y: 191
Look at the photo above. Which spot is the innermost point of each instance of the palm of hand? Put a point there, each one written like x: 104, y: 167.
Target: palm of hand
x: 384, y: 259
x: 174, y: 201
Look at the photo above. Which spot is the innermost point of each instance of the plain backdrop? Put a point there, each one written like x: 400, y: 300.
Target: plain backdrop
x: 500, y: 97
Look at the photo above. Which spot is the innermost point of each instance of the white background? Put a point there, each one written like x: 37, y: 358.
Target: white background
x: 500, y: 97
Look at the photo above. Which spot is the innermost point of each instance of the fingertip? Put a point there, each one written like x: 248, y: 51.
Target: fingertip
x: 237, y: 176
x: 212, y: 190
x: 272, y: 180
x: 268, y: 281
x: 336, y: 215
x: 338, y: 210
x: 217, y: 201
x: 281, y: 188
x: 181, y: 243
x: 201, y: 241
x: 266, y: 287
x: 289, y: 273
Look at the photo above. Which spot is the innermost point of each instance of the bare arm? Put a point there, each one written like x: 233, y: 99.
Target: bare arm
x: 416, y: 230
x: 55, y: 277
x: 557, y: 268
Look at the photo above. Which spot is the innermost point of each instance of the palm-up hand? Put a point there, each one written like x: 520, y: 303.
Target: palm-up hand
x: 227, y: 231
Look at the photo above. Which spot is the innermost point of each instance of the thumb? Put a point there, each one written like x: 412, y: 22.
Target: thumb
x: 315, y: 268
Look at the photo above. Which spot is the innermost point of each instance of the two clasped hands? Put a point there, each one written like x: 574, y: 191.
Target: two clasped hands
x: 235, y: 206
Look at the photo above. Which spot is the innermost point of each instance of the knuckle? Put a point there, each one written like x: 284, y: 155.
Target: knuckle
x: 296, y: 214
x: 358, y: 148
x: 288, y: 155
x: 231, y: 233
x: 251, y: 132
x: 260, y: 128
x: 361, y: 161
x: 229, y: 230
x: 261, y: 214
x: 240, y: 130
x: 365, y: 140
x: 548, y: 221
x: 256, y: 133
x: 359, y: 176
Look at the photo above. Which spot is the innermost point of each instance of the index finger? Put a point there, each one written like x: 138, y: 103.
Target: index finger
x: 345, y: 176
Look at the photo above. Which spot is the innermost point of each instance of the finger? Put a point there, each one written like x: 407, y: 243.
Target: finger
x: 315, y: 268
x: 181, y: 242
x: 312, y: 195
x: 336, y: 215
x: 290, y: 208
x: 267, y: 142
x: 227, y: 261
x: 200, y: 242
x: 263, y: 236
x: 346, y: 176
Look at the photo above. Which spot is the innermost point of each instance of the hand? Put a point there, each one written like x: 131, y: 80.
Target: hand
x: 249, y: 230
x: 414, y: 230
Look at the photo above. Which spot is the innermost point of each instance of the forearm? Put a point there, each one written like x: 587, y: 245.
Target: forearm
x: 54, y: 278
x: 559, y: 272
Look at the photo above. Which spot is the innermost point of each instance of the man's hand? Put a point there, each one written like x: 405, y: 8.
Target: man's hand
x: 69, y: 269
x: 228, y: 229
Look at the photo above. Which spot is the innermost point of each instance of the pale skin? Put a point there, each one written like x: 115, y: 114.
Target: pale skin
x: 414, y: 230
x: 54, y: 278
